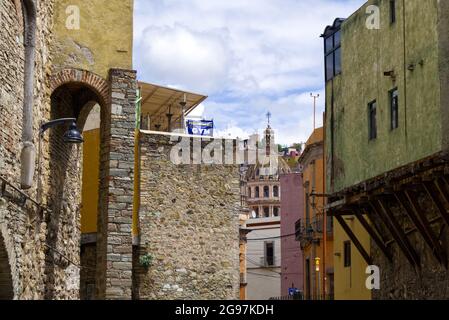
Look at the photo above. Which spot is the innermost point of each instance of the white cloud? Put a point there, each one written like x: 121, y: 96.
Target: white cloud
x: 248, y: 56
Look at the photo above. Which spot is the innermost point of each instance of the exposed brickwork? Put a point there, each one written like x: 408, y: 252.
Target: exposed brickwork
x: 114, y: 261
x: 42, y: 243
x: 189, y: 222
x: 71, y: 76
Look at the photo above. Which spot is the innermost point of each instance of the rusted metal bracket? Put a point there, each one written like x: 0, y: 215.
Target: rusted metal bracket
x: 354, y: 239
x: 385, y: 214
x: 415, y: 213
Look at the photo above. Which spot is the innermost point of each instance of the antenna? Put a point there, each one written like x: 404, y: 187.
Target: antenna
x: 315, y: 97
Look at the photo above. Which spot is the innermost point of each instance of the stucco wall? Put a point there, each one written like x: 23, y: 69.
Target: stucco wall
x: 189, y: 224
x: 292, y: 207
x: 366, y: 55
x: 103, y: 40
x: 263, y: 282
x: 349, y: 282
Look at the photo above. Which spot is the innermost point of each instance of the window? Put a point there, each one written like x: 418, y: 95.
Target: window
x: 256, y: 211
x: 372, y: 114
x: 276, y: 191
x: 392, y: 11
x: 276, y: 211
x: 347, y: 253
x: 266, y: 212
x: 394, y: 108
x: 257, y: 192
x: 269, y: 253
x: 249, y: 192
x: 266, y: 192
x: 333, y: 55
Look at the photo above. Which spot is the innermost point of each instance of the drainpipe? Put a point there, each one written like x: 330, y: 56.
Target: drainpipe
x: 28, y: 154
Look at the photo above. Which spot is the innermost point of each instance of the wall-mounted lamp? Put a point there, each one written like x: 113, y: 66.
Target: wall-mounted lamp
x: 73, y: 135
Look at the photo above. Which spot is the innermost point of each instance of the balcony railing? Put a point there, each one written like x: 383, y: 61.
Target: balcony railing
x: 313, y: 229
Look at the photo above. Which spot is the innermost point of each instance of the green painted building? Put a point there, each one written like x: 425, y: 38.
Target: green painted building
x: 387, y: 88
x: 386, y: 148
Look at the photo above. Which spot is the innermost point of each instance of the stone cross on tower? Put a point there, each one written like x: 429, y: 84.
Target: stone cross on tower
x: 269, y: 117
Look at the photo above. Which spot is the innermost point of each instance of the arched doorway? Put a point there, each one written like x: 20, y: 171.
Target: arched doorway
x: 6, y: 285
x: 76, y: 94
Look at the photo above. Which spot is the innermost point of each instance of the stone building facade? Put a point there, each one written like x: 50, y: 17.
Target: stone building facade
x: 22, y: 222
x: 40, y: 226
x: 262, y: 194
x: 189, y: 224
x: 42, y: 252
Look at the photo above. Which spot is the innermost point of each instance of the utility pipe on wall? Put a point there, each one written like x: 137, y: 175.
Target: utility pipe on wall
x: 28, y: 154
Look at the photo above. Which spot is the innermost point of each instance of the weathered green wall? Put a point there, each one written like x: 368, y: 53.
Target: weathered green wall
x: 366, y: 55
x: 104, y: 40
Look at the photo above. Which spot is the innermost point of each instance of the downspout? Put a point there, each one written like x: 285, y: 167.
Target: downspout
x: 28, y: 154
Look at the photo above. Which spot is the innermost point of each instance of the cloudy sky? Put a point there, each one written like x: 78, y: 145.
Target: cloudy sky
x: 248, y: 56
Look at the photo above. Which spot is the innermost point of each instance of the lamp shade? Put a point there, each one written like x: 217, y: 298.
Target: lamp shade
x: 73, y: 135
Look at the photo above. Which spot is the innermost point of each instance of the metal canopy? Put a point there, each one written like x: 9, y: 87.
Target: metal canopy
x: 158, y: 101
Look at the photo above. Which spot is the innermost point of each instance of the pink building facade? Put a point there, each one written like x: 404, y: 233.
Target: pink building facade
x: 292, y: 204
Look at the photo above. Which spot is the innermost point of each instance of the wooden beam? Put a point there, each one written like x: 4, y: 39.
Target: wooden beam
x: 373, y: 234
x: 354, y: 239
x: 443, y: 188
x: 433, y: 194
x: 150, y: 95
x: 398, y: 234
x: 415, y: 213
x: 368, y: 210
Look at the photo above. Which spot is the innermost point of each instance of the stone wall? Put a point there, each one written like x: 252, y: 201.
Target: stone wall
x: 401, y: 281
x: 88, y: 272
x: 114, y: 241
x: 22, y: 224
x: 189, y: 224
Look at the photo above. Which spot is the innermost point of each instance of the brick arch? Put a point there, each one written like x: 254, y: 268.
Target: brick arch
x: 95, y: 82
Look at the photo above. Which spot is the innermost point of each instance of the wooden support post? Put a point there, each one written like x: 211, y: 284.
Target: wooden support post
x: 414, y: 212
x: 373, y: 234
x: 368, y: 210
x: 433, y: 194
x: 398, y: 234
x: 443, y: 188
x: 354, y: 239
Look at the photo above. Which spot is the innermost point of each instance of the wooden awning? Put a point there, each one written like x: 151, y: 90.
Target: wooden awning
x: 158, y: 101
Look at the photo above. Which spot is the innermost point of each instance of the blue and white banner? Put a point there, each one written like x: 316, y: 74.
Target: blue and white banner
x: 200, y: 127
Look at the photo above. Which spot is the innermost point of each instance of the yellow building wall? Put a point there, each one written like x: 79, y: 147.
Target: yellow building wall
x: 91, y: 168
x: 314, y: 175
x: 104, y: 39
x: 350, y: 281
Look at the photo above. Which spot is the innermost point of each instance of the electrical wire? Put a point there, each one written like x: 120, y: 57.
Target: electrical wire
x: 269, y: 238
